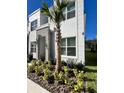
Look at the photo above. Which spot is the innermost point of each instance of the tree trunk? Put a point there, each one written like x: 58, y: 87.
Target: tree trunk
x: 58, y: 56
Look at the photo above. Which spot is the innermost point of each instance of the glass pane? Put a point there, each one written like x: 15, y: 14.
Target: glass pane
x: 63, y: 51
x: 71, y: 51
x: 71, y: 6
x: 71, y: 14
x: 33, y: 46
x: 33, y: 25
x: 63, y: 42
x: 71, y: 41
x: 43, y: 19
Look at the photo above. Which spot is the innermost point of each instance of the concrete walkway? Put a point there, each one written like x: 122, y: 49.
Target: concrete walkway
x: 35, y: 88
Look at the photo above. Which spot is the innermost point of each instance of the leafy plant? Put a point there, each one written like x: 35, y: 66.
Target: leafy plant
x: 38, y: 62
x: 43, y: 66
x: 75, y: 72
x: 79, y: 85
x: 79, y: 66
x: 38, y: 70
x: 30, y: 67
x: 34, y: 62
x: 80, y: 75
x: 66, y: 69
x: 47, y: 73
x: 61, y: 75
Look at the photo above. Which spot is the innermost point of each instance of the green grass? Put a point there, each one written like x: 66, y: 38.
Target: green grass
x: 91, y: 74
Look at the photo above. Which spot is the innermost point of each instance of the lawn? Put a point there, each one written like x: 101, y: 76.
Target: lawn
x: 91, y: 74
x: 91, y: 70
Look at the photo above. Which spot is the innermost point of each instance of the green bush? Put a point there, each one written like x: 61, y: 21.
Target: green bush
x: 34, y: 62
x: 30, y: 67
x: 38, y: 70
x: 47, y: 73
x: 79, y: 85
x: 66, y: 69
x: 75, y: 72
x: 80, y: 75
x: 38, y: 62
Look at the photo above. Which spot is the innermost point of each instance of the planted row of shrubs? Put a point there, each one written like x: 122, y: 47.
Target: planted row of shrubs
x: 46, y: 70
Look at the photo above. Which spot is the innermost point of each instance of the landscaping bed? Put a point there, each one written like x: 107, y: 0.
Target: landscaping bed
x: 71, y: 79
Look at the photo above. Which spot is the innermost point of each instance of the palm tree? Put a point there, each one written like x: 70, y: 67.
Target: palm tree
x: 56, y: 16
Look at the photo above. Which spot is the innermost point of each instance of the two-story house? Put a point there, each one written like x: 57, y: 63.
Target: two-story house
x: 42, y: 37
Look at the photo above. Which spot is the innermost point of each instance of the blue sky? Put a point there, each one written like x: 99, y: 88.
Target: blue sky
x: 90, y: 9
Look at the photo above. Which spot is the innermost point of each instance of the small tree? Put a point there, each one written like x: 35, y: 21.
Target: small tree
x: 56, y: 15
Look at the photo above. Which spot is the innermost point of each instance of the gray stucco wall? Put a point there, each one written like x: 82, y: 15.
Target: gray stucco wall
x: 44, y: 33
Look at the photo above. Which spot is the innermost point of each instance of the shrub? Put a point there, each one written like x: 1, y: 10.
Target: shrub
x: 79, y: 66
x: 38, y: 62
x: 38, y: 70
x: 64, y: 63
x: 47, y: 73
x: 30, y: 57
x: 66, y: 69
x: 79, y: 85
x: 70, y: 65
x: 51, y: 79
x: 59, y: 77
x: 80, y: 75
x: 75, y: 72
x: 34, y: 62
x: 30, y: 67
x: 42, y: 58
x: 68, y: 81
x: 43, y: 66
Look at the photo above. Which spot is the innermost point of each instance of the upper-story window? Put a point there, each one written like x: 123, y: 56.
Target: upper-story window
x: 71, y: 10
x: 33, y: 25
x: 43, y: 20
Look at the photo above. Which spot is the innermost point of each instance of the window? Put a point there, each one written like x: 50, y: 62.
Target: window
x: 63, y: 46
x: 43, y: 20
x: 33, y: 25
x: 71, y: 10
x: 68, y: 46
x: 33, y: 47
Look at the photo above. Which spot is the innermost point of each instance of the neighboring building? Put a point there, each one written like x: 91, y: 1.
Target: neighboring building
x: 42, y: 38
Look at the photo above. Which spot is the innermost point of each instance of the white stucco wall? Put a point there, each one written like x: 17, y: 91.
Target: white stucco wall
x: 33, y: 34
x: 73, y: 27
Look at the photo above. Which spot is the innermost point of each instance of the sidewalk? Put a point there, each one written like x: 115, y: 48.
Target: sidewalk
x: 34, y: 88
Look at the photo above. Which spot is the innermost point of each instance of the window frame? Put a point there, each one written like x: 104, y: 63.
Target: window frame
x: 72, y: 10
x: 33, y: 47
x: 66, y: 48
x: 34, y: 24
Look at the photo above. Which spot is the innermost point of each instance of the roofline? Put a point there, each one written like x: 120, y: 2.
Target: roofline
x: 34, y: 12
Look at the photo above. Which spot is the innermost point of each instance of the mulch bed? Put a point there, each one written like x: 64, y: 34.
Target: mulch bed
x: 55, y: 87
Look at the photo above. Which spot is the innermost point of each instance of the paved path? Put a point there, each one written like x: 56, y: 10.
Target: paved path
x: 34, y: 88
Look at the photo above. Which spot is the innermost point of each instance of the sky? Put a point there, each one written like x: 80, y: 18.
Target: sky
x: 90, y: 8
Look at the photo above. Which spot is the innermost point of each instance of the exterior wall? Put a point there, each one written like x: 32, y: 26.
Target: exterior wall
x: 32, y: 34
x: 73, y: 27
x: 81, y: 30
x: 44, y: 32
